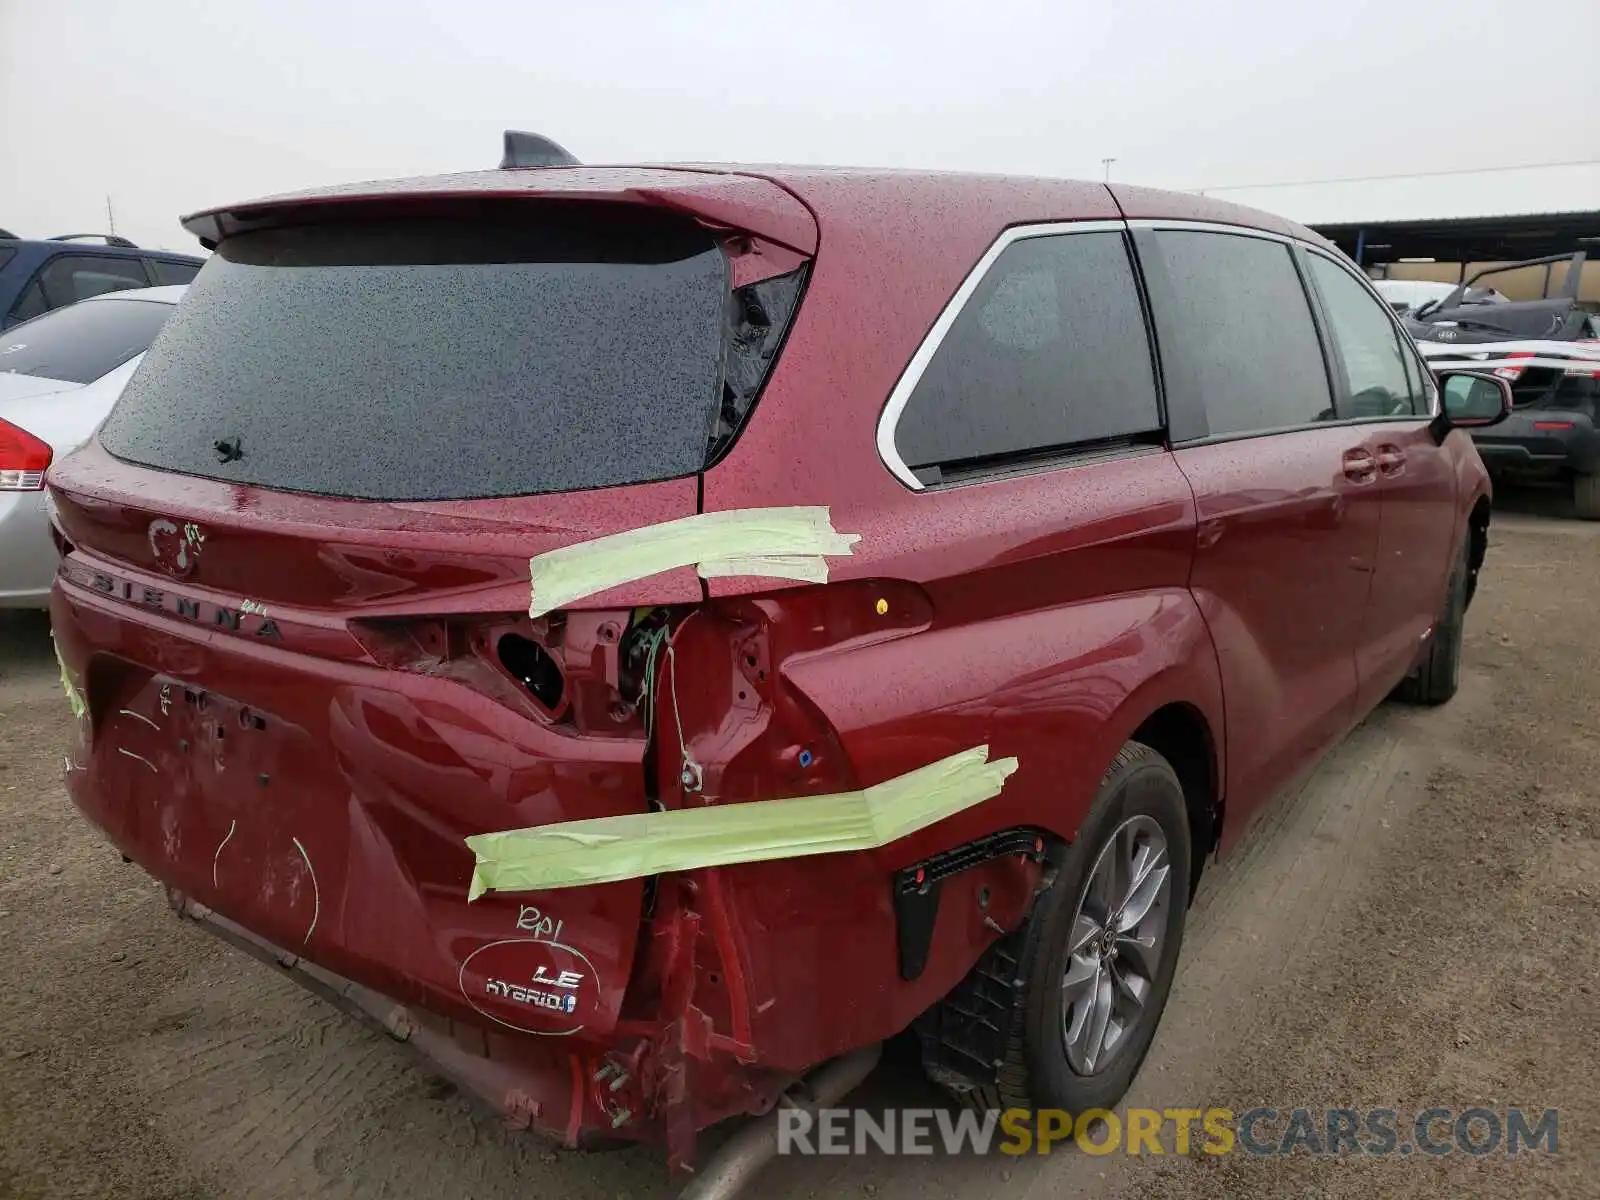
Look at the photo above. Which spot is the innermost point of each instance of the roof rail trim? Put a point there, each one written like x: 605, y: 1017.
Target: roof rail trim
x: 111, y: 239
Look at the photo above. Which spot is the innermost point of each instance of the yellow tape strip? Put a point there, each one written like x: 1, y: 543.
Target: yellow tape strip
x: 784, y: 543
x: 74, y: 697
x: 606, y: 849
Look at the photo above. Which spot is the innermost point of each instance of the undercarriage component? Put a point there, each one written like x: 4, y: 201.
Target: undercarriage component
x: 736, y: 1163
x: 964, y: 1036
x: 721, y: 1177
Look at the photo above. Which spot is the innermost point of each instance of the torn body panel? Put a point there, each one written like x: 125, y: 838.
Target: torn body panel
x: 333, y: 827
x: 327, y: 835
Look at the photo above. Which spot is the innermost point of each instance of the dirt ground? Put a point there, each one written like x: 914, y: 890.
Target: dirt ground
x: 1414, y: 926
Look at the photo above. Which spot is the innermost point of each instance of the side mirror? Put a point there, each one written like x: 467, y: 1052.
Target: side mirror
x: 1470, y: 400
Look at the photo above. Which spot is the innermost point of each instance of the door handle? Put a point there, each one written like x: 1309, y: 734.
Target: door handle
x: 1360, y: 466
x: 1391, y: 459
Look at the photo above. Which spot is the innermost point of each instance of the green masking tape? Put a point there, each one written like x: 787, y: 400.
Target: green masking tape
x: 606, y: 849
x: 74, y: 697
x: 783, y: 543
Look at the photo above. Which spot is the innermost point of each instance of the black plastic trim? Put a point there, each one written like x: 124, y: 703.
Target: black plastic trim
x: 1333, y: 363
x: 1034, y: 462
x: 1180, y: 378
x: 916, y: 889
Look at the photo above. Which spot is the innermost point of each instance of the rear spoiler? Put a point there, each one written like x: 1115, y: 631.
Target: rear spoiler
x: 725, y: 199
x: 728, y: 200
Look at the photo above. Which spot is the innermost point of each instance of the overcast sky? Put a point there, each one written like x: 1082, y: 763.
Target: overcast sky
x: 173, y: 105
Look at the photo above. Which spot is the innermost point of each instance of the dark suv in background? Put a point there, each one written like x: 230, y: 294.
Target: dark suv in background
x: 1549, y: 351
x: 37, y: 276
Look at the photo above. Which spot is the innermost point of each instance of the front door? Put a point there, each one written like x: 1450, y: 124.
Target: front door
x: 1287, y: 500
x: 1379, y: 380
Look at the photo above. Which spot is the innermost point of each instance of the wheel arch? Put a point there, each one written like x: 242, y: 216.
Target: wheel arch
x: 1180, y: 733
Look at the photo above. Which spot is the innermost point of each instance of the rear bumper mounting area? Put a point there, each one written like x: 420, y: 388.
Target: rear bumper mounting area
x: 500, y: 1086
x: 523, y: 1103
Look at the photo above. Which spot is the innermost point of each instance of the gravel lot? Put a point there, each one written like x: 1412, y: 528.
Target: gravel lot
x: 1415, y: 925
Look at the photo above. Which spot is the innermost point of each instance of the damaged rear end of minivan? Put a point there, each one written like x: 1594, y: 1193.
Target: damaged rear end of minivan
x: 309, y: 661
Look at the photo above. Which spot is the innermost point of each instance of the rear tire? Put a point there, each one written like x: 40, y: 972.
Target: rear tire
x: 1438, y: 675
x: 1073, y: 982
x: 1586, y: 496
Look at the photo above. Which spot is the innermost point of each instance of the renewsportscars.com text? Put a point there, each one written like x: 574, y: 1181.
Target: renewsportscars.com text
x: 1262, y: 1131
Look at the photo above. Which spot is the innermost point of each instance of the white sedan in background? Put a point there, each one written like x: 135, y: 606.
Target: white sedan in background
x: 60, y: 373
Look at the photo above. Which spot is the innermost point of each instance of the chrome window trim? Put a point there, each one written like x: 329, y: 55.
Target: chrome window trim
x: 1214, y: 227
x: 889, y: 419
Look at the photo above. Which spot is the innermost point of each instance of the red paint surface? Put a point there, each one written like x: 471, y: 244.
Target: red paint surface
x: 315, y: 787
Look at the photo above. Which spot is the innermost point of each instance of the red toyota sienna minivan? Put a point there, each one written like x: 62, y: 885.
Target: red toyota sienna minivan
x: 642, y: 633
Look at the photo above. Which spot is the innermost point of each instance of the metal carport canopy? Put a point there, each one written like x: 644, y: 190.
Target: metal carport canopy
x: 1493, y: 214
x: 1474, y: 239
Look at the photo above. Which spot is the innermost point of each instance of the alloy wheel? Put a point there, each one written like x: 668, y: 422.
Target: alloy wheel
x: 1118, y: 933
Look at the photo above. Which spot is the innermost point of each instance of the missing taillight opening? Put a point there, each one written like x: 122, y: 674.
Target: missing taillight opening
x: 532, y: 664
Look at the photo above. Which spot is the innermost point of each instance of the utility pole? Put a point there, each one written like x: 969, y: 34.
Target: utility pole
x: 1106, y: 163
x: 111, y: 217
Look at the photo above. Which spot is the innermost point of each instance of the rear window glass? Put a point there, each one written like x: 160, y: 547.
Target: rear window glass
x: 81, y: 343
x: 435, y: 359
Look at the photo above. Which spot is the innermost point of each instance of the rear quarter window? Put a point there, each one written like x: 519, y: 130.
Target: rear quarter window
x: 29, y: 304
x: 1049, y: 352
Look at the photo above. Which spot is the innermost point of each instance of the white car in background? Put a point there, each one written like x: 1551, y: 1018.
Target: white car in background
x: 60, y: 373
